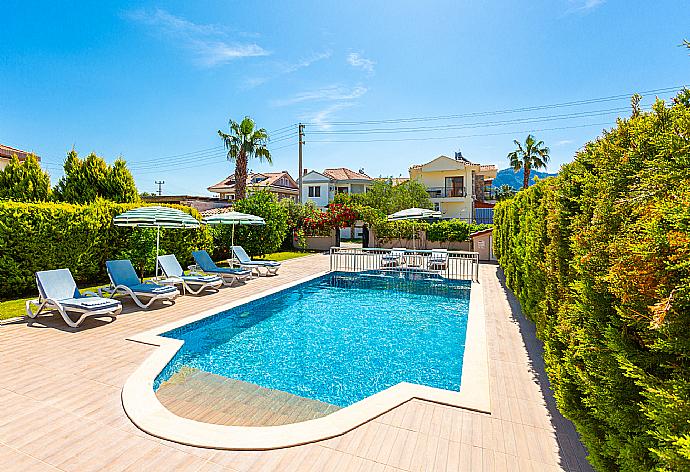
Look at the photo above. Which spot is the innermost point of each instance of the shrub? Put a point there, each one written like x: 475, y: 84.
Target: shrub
x: 599, y: 258
x: 448, y: 230
x: 256, y: 240
x: 89, y: 179
x: 24, y: 181
x: 42, y: 236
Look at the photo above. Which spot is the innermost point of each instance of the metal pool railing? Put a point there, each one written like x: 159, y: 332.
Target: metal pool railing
x: 459, y: 265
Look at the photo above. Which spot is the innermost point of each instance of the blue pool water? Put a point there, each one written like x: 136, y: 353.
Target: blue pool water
x: 338, y: 338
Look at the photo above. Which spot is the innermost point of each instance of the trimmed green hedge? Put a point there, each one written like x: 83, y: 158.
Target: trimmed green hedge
x: 599, y: 258
x: 41, y: 236
x: 445, y: 230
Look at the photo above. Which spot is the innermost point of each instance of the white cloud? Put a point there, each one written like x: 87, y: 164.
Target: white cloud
x: 564, y: 142
x: 355, y: 59
x: 208, y: 43
x: 306, y: 62
x: 331, y: 93
x: 583, y: 5
x: 287, y: 68
x: 320, y: 118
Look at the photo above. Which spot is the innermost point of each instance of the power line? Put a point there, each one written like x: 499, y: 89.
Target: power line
x: 428, y: 138
x: 566, y: 116
x: 192, y: 158
x: 193, y: 154
x: 504, y: 111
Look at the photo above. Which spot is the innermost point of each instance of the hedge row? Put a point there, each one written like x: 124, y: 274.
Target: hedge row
x: 41, y: 236
x: 446, y: 230
x: 599, y: 258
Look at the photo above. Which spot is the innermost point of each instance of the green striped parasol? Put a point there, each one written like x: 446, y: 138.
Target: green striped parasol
x: 156, y: 217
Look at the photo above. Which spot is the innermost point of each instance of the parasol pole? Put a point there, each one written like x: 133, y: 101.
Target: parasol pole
x: 158, y: 242
x: 232, y: 241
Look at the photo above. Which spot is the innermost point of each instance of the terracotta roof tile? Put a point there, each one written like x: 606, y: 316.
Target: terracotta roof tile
x: 228, y: 183
x: 8, y: 152
x: 343, y: 173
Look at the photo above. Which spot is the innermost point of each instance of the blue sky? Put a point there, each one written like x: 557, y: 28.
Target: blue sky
x: 154, y: 81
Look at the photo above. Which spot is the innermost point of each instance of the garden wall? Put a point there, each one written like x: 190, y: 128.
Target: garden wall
x: 599, y: 258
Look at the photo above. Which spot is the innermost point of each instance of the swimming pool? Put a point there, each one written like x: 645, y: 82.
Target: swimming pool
x: 338, y: 338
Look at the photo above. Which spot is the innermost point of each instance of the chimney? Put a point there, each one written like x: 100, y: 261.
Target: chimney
x: 458, y: 156
x: 305, y: 171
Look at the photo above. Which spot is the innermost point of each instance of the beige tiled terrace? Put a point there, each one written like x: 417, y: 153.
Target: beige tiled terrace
x: 60, y: 406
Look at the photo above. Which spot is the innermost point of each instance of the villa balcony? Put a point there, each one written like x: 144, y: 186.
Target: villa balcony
x: 446, y: 192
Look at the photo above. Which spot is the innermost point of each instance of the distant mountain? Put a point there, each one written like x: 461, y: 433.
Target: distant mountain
x: 514, y: 179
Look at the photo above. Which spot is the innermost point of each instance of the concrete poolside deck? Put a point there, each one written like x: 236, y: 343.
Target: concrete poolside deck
x: 60, y: 405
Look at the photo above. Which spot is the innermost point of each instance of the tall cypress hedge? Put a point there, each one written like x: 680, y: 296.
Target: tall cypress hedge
x: 41, y: 236
x: 599, y: 258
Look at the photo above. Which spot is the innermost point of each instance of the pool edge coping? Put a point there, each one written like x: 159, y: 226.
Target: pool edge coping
x: 144, y: 409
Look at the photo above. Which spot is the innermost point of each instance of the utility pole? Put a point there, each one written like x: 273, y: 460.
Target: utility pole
x: 160, y: 186
x: 300, y: 132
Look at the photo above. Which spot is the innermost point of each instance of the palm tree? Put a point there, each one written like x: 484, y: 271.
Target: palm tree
x: 532, y: 155
x: 504, y: 192
x: 243, y: 143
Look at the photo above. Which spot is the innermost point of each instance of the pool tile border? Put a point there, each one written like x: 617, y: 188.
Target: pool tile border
x: 143, y: 408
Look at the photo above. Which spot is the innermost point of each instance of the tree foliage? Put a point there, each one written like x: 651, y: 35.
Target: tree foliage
x: 244, y: 142
x: 389, y: 198
x: 256, y: 240
x: 24, y: 181
x: 599, y: 258
x: 92, y: 178
x: 533, y: 155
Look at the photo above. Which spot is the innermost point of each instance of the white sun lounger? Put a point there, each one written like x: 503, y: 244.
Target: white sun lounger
x: 271, y: 267
x: 394, y: 258
x: 193, y: 284
x: 125, y: 281
x: 58, y: 291
x: 438, y: 259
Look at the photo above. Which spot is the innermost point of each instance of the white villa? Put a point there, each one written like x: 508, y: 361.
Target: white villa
x: 321, y: 187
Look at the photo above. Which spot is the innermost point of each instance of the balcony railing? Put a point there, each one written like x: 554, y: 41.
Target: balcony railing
x: 443, y: 192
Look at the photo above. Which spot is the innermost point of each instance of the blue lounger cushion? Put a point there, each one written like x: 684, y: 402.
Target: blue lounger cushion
x: 153, y: 289
x: 206, y: 264
x: 244, y: 258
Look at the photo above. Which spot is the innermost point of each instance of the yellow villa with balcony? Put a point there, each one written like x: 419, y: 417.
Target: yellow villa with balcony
x: 456, y: 186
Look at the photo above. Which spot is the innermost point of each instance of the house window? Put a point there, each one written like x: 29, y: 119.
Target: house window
x: 314, y: 190
x: 455, y: 187
x: 341, y: 190
x: 437, y: 206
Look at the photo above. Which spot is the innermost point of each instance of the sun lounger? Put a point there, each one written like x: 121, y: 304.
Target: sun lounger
x: 58, y: 291
x: 271, y: 267
x: 229, y: 275
x: 193, y: 284
x: 438, y: 259
x: 125, y: 281
x: 394, y: 258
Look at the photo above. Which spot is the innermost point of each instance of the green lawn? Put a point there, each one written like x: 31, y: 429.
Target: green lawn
x: 284, y: 255
x: 14, y: 308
